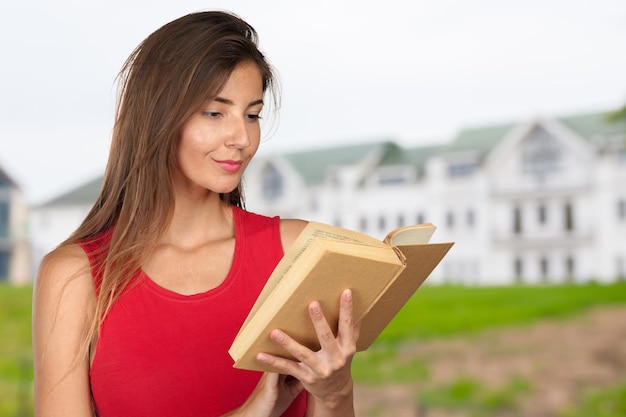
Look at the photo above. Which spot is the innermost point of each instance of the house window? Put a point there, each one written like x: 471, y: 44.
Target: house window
x: 5, y: 256
x: 621, y: 209
x: 273, y: 186
x: 518, y: 267
x: 541, y: 153
x: 420, y: 218
x: 450, y: 219
x: 517, y: 220
x: 4, y: 219
x: 470, y: 217
x: 570, y: 265
x: 363, y: 223
x: 382, y: 223
x: 464, y: 169
x: 393, y: 176
x: 568, y: 212
x: 620, y: 266
x: 544, y: 268
x: 400, y: 221
x: 542, y: 213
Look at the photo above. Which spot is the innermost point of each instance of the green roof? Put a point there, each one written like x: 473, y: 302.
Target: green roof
x: 483, y: 139
x: 478, y: 139
x: 590, y: 125
x: 395, y: 155
x: 85, y: 194
x: 314, y: 165
x: 419, y: 155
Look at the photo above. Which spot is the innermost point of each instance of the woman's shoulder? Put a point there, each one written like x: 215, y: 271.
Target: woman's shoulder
x: 290, y: 229
x: 66, y: 256
x: 65, y: 267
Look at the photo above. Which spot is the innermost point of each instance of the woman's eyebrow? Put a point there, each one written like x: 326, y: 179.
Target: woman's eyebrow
x: 230, y: 102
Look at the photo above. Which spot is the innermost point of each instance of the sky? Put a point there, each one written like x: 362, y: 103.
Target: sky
x: 352, y: 71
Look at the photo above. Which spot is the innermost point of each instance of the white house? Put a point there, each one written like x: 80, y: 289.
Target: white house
x: 538, y: 201
x: 53, y: 222
x: 14, y: 243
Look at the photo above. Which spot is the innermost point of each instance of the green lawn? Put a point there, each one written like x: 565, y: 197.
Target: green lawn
x: 435, y: 311
x: 16, y: 365
x: 439, y: 311
x: 444, y: 311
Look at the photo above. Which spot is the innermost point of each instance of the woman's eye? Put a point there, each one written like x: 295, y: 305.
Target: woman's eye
x: 212, y: 114
x: 253, y: 117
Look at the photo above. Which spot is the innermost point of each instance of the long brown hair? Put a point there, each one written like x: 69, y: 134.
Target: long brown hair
x: 166, y: 79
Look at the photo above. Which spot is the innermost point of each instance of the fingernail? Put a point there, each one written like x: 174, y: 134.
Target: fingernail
x: 348, y: 295
x: 315, y: 308
x: 261, y: 357
x: 278, y: 336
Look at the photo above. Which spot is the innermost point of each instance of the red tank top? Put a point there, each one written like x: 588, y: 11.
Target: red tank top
x: 160, y: 353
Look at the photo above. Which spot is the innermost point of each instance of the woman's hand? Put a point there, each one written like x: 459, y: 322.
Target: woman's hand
x: 325, y: 374
x: 271, y: 397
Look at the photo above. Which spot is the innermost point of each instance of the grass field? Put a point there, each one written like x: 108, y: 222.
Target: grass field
x: 16, y: 370
x: 440, y: 311
x: 434, y: 312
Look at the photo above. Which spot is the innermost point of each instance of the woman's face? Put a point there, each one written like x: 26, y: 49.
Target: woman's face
x: 217, y: 143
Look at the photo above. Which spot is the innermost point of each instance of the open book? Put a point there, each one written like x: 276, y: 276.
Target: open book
x: 322, y: 262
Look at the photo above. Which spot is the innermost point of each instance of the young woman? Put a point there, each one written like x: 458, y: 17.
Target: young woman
x: 133, y: 314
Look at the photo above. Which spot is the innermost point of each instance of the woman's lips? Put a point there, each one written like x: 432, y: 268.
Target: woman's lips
x: 230, y: 166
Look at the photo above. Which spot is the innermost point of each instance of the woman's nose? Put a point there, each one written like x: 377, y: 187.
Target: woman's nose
x: 238, y: 136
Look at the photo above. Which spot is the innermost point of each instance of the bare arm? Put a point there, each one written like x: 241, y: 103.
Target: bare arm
x: 63, y: 306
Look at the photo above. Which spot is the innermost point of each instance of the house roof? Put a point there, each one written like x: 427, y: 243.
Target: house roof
x: 392, y: 154
x: 6, y: 179
x: 84, y: 194
x: 483, y: 139
x: 314, y: 165
x: 419, y: 155
x: 595, y: 124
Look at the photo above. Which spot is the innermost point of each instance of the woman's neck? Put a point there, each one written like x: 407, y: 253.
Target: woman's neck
x: 198, y: 221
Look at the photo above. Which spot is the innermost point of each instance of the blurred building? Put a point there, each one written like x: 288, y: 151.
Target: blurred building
x: 536, y: 201
x: 53, y: 222
x: 14, y: 244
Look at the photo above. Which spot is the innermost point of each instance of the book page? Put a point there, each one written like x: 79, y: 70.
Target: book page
x: 313, y: 230
x: 410, y: 235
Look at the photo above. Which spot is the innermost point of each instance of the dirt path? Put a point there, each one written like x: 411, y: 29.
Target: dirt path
x: 561, y: 360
